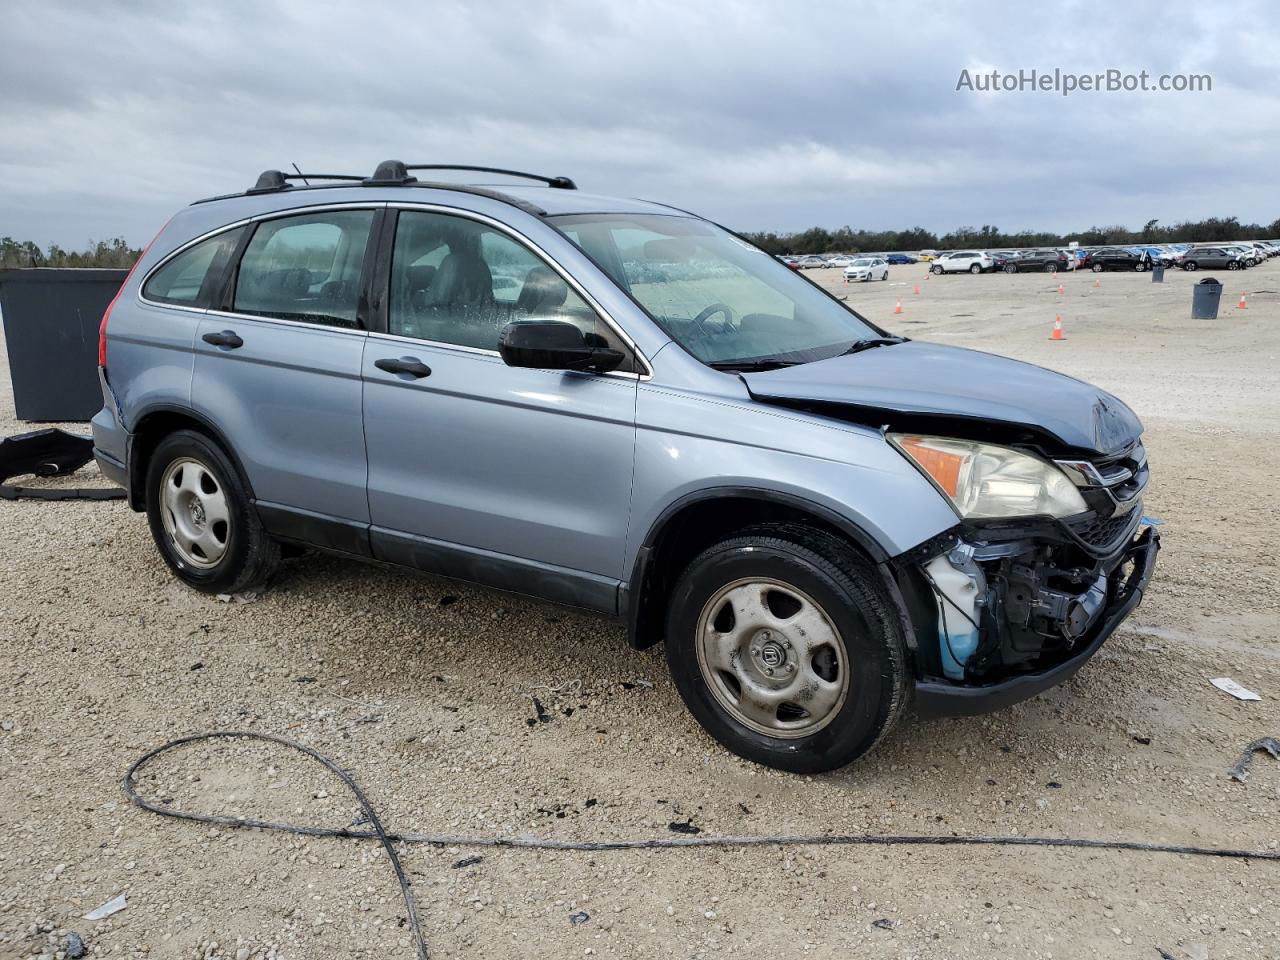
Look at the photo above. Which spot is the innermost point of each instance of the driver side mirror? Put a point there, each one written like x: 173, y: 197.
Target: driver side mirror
x: 554, y: 345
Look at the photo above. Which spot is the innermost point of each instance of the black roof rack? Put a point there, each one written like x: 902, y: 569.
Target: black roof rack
x: 271, y: 180
x: 393, y: 171
x: 390, y: 173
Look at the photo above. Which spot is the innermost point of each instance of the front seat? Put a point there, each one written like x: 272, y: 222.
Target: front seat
x: 463, y: 280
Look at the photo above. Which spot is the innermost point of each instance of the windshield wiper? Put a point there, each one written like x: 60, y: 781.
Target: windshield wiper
x: 752, y: 366
x: 859, y: 345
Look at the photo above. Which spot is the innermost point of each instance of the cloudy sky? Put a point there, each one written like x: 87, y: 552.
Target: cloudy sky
x: 762, y: 115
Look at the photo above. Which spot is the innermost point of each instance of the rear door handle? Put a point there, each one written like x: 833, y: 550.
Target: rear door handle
x: 412, y: 366
x: 227, y: 338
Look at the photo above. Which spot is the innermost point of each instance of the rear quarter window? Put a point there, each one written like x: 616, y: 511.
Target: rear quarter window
x: 193, y: 277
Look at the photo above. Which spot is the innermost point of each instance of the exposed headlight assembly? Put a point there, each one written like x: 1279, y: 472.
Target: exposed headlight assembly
x: 985, y: 481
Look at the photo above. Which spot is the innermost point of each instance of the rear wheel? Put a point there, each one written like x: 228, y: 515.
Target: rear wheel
x: 1191, y: 265
x: 1233, y: 265
x: 1010, y: 268
x: 1097, y: 268
x: 936, y: 268
x: 202, y: 519
x: 1050, y: 268
x: 782, y: 645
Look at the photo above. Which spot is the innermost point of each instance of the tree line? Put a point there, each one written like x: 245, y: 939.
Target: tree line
x: 104, y: 253
x: 848, y: 240
x: 118, y: 253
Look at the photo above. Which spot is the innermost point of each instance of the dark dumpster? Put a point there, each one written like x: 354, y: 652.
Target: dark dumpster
x: 51, y: 318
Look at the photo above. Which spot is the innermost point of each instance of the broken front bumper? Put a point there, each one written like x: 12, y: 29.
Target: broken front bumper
x: 940, y: 698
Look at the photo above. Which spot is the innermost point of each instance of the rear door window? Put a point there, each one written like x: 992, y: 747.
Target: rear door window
x: 192, y: 278
x: 305, y: 268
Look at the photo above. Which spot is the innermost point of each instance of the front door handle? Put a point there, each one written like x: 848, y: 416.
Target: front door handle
x: 412, y: 366
x: 227, y: 338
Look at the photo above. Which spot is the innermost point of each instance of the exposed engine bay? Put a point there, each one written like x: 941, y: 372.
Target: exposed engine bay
x: 994, y: 600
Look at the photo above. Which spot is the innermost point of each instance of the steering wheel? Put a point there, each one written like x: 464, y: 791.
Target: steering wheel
x: 730, y: 318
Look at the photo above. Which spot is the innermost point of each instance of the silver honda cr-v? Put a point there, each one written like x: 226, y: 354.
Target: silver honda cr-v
x: 622, y: 406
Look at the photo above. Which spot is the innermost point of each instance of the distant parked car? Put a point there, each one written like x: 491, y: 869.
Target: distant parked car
x: 866, y: 268
x: 900, y: 258
x: 1048, y: 261
x: 927, y: 256
x: 1115, y: 258
x: 1160, y: 255
x: 811, y: 263
x: 1211, y: 257
x: 1250, y: 256
x: 961, y: 261
x: 840, y: 260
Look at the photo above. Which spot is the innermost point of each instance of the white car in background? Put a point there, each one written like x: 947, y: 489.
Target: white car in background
x: 963, y: 261
x: 840, y: 260
x: 866, y: 268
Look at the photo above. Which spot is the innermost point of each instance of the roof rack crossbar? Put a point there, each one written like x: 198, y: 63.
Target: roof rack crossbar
x: 560, y: 183
x: 271, y: 180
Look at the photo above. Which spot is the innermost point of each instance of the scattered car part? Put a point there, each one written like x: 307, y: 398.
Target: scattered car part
x: 114, y: 905
x: 1227, y: 685
x: 48, y: 453
x: 1240, y: 772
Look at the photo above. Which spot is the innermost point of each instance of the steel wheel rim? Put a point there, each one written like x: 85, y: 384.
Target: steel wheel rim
x: 772, y: 626
x: 194, y: 513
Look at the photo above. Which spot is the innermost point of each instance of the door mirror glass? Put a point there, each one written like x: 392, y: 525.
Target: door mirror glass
x: 556, y: 345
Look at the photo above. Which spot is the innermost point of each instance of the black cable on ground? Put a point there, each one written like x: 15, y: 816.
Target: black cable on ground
x: 388, y: 839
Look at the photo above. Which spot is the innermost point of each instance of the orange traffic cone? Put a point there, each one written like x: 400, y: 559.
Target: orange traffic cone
x: 1057, y: 329
x: 916, y: 291
x: 1242, y: 305
x: 1061, y: 291
x: 1097, y: 282
x: 898, y: 308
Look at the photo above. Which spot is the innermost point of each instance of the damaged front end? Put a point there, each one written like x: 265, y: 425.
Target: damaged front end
x: 1005, y: 609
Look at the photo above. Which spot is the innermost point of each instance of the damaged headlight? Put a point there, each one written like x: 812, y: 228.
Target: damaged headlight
x: 986, y: 481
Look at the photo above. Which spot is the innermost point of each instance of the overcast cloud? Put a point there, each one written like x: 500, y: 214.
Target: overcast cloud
x: 763, y: 116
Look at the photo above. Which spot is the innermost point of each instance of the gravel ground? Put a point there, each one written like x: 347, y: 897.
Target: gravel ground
x: 423, y: 688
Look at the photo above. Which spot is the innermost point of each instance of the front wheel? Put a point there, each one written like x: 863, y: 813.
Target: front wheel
x: 202, y: 518
x: 935, y: 269
x: 1010, y: 268
x: 782, y: 645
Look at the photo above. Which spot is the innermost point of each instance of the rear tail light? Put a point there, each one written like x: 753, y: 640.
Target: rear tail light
x: 106, y: 314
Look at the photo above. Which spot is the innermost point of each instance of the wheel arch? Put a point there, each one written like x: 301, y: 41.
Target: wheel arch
x: 690, y: 524
x: 151, y: 427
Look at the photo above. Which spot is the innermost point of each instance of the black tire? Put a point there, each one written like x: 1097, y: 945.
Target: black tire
x: 975, y: 268
x: 936, y: 269
x: 1190, y: 265
x: 1010, y: 268
x: 1096, y: 268
x: 1233, y: 265
x: 849, y: 591
x: 250, y: 556
x: 1050, y: 268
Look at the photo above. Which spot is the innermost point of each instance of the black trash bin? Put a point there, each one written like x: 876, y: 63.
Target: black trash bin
x: 51, y: 318
x: 1157, y: 273
x: 1205, y: 297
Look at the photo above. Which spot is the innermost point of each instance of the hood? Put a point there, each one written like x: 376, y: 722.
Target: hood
x: 956, y: 392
